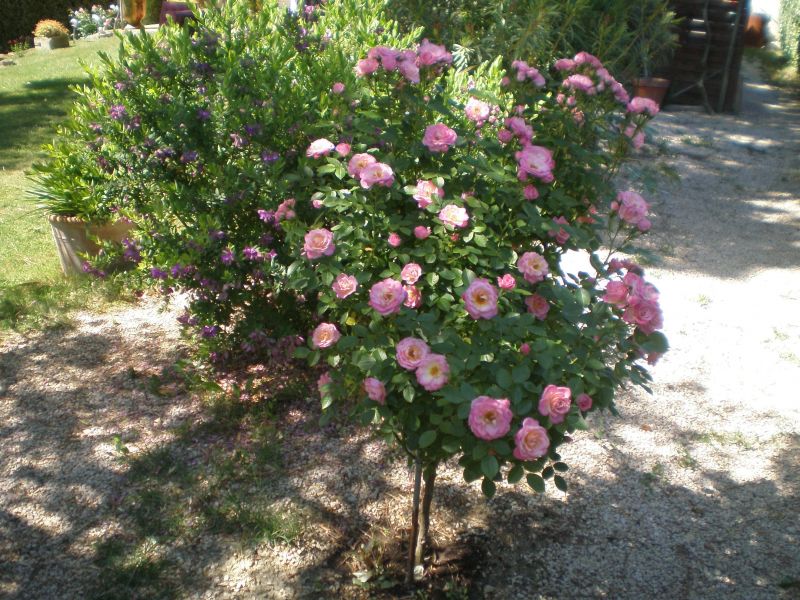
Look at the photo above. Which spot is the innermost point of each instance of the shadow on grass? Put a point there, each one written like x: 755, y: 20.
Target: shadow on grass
x: 27, y: 117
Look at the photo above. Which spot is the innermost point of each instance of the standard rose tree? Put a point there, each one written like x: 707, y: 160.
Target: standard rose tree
x: 461, y: 331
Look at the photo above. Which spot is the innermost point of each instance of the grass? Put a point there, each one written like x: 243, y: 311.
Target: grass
x: 776, y: 66
x: 183, y: 501
x: 34, y: 98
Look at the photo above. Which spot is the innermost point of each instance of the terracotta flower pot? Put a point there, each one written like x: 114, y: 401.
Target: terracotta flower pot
x: 654, y: 88
x: 72, y: 237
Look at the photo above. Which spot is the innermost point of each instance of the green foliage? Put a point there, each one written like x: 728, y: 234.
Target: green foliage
x: 19, y: 17
x: 152, y: 12
x: 790, y: 30
x: 206, y: 139
x: 628, y: 36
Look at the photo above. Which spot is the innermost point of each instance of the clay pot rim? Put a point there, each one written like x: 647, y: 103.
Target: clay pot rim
x: 659, y: 82
x: 81, y: 221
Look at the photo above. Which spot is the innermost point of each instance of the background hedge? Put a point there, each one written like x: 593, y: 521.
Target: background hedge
x: 18, y: 17
x: 790, y: 30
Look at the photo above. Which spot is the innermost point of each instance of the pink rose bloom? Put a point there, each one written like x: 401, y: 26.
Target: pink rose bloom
x: 533, y: 267
x: 453, y: 215
x: 505, y: 81
x: 504, y: 136
x: 319, y: 147
x: 584, y: 402
x: 645, y: 314
x: 620, y: 93
x: 425, y: 192
x: 387, y: 296
x: 409, y: 70
x: 318, y: 242
x: 641, y: 105
x: 564, y: 64
x: 644, y: 225
x: 343, y: 149
x: 635, y: 134
x: 477, y: 110
x: 631, y: 207
x: 284, y: 210
x: 421, y: 232
x: 525, y: 349
x: 555, y: 402
x: 430, y: 54
x: 366, y: 66
x: 323, y: 382
x: 317, y: 203
x: 376, y: 174
x: 584, y: 58
x: 375, y: 390
x: 561, y: 234
x: 433, y: 372
x: 387, y: 56
x: 480, y: 299
x: 411, y: 273
x: 506, y: 282
x: 359, y: 162
x: 439, y: 137
x: 536, y: 77
x: 616, y: 294
x: 580, y: 82
x: 490, y: 418
x: 410, y: 352
x: 531, y: 441
x: 325, y: 335
x: 530, y: 192
x: 536, y: 161
x: 520, y: 128
x: 538, y: 306
x: 413, y: 296
x: 344, y: 285
x: 394, y: 240
x: 337, y: 88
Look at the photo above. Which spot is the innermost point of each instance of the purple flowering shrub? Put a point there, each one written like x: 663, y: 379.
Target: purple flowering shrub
x: 197, y: 137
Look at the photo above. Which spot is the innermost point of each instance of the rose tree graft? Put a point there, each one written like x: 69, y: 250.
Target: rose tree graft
x: 436, y: 252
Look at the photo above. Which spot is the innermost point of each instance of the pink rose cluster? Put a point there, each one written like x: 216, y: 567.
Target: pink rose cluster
x: 589, y: 76
x: 285, y: 210
x: 632, y: 209
x: 638, y: 299
x: 526, y: 72
x: 490, y: 419
x: 369, y: 171
x: 432, y: 370
x: 640, y: 105
x: 405, y: 62
x: 479, y: 111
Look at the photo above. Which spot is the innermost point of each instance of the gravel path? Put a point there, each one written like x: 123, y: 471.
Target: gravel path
x: 693, y: 493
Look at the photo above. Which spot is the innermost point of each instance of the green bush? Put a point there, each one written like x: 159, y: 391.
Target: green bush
x: 18, y: 18
x: 539, y: 30
x: 790, y: 30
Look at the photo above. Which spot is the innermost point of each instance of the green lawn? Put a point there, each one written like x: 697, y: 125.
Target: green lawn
x: 34, y: 98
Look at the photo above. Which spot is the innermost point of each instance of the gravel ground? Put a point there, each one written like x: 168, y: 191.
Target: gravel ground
x: 693, y: 493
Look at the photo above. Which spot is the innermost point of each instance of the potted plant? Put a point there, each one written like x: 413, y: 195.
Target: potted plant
x: 50, y: 35
x: 653, y: 22
x: 79, y: 216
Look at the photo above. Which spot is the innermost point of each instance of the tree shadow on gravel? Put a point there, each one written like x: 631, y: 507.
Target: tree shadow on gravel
x: 735, y: 208
x: 63, y: 395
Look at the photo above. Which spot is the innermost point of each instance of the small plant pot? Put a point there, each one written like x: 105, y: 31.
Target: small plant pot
x: 51, y: 43
x: 73, y: 238
x: 654, y: 88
